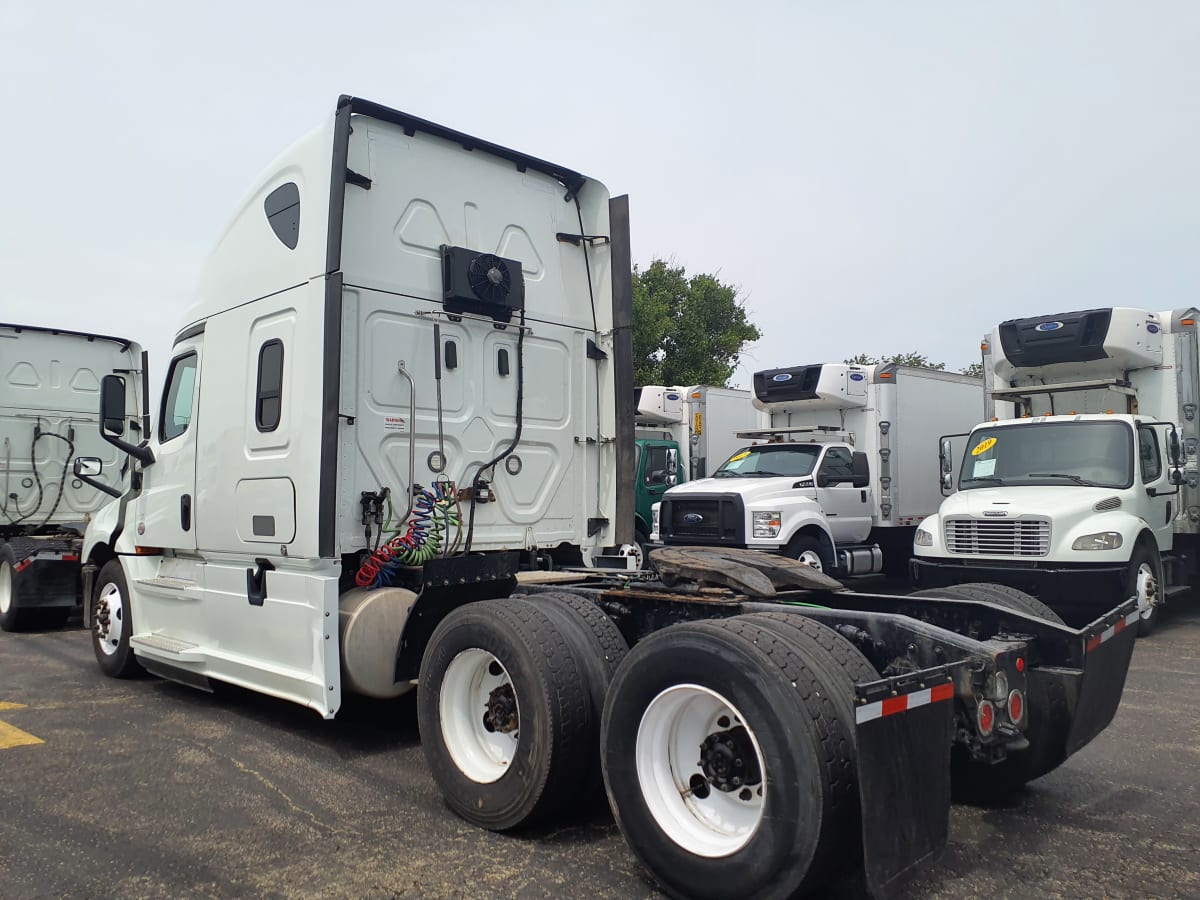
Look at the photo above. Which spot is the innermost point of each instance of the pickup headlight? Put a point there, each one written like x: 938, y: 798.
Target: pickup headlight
x: 766, y: 524
x: 1101, y: 540
x: 923, y: 538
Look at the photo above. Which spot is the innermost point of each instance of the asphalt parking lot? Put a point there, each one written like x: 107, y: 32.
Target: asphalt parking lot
x: 147, y: 789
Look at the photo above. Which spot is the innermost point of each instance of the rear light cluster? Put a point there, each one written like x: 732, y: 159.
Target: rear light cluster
x: 986, y: 712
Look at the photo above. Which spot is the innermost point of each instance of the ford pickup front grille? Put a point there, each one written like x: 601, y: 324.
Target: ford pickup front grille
x: 1016, y: 537
x: 713, y: 519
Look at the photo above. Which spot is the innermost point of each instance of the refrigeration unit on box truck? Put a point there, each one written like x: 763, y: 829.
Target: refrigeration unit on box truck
x: 1092, y: 494
x: 410, y: 365
x: 841, y: 476
x: 49, y: 394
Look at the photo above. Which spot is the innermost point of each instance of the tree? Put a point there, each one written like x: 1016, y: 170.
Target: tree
x: 919, y: 360
x: 975, y: 369
x: 686, y: 330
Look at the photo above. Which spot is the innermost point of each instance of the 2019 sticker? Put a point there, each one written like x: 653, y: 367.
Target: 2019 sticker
x: 984, y: 446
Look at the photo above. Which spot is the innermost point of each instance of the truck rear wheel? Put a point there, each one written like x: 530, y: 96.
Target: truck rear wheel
x: 724, y: 754
x: 112, y: 623
x: 12, y: 618
x: 505, y: 714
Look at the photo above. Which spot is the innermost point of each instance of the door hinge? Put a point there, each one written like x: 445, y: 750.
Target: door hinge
x: 594, y: 352
x: 595, y: 524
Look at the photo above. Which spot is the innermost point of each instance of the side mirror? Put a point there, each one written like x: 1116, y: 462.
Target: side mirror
x: 112, y: 405
x: 672, y: 480
x: 91, y: 466
x: 1176, y: 476
x: 1174, y: 451
x: 947, y: 482
x: 862, y: 470
x: 945, y: 457
x: 672, y: 461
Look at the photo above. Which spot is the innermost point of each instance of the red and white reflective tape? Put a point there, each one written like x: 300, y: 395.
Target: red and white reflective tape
x: 868, y: 712
x: 1113, y: 630
x: 30, y: 560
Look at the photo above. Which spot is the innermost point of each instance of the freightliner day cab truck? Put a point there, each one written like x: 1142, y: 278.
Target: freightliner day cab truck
x: 49, y: 394
x: 1091, y: 494
x: 410, y: 364
x: 842, y: 475
x: 679, y: 433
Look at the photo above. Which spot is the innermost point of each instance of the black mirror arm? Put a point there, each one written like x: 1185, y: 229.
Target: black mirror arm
x: 99, y: 485
x: 140, y: 452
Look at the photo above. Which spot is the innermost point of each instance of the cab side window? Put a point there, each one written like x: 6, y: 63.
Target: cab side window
x: 837, y: 466
x: 177, y: 399
x: 1151, y: 459
x: 268, y: 403
x: 656, y: 462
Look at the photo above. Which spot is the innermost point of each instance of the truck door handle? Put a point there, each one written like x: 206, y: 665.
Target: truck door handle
x: 185, y: 512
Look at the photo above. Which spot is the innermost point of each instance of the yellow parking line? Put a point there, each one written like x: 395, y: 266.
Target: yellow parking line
x: 11, y: 736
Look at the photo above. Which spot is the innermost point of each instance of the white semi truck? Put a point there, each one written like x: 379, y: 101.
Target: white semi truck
x: 842, y: 474
x: 410, y: 364
x: 49, y: 394
x: 1092, y: 492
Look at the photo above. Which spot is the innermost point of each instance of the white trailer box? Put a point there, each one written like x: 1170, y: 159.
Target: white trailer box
x: 49, y: 397
x: 717, y: 416
x: 1080, y: 498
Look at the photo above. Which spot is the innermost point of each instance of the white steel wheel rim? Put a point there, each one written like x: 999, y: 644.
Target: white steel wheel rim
x: 811, y: 558
x: 108, y: 637
x: 6, y: 587
x: 1147, y: 588
x: 669, y: 742
x: 474, y: 687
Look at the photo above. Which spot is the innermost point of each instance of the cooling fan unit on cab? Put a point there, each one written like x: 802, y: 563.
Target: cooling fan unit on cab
x: 481, y: 284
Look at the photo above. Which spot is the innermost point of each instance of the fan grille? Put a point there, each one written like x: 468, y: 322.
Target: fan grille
x: 489, y: 278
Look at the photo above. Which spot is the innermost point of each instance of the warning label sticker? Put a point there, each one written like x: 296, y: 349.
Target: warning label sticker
x: 395, y: 423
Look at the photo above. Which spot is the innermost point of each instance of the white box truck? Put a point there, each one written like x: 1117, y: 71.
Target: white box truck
x: 716, y: 416
x: 1092, y: 492
x: 49, y: 396
x: 410, y: 364
x: 842, y: 475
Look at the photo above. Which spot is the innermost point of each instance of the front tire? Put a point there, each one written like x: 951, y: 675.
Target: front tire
x: 12, y: 618
x: 810, y: 551
x: 758, y: 815
x: 112, y: 623
x: 1143, y: 579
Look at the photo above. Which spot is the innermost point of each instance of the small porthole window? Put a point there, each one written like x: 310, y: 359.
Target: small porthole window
x: 282, y: 207
x: 268, y: 403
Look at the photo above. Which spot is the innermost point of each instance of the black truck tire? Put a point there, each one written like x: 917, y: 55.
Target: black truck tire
x: 1144, y: 557
x: 12, y: 617
x: 112, y: 623
x: 504, y: 713
x: 598, y: 648
x: 811, y: 550
x: 1003, y: 595
x: 764, y: 715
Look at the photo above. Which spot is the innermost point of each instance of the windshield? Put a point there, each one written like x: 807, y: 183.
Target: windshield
x: 1097, y: 454
x: 766, y: 460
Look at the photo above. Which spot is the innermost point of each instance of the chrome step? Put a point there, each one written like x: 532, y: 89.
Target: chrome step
x: 173, y: 648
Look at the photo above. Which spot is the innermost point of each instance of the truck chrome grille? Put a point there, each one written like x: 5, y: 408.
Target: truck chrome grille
x: 1018, y: 537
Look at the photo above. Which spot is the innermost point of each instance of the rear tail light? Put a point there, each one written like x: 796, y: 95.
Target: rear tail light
x: 1016, y: 707
x: 985, y: 717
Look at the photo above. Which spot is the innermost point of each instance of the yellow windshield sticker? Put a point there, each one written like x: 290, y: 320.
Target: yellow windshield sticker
x: 738, y: 456
x: 984, y: 446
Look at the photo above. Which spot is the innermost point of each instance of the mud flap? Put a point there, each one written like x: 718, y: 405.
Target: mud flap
x: 904, y: 729
x: 1108, y: 649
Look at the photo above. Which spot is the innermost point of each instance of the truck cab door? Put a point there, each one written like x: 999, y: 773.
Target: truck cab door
x: 1162, y: 498
x: 166, y: 508
x: 658, y: 470
x: 846, y: 507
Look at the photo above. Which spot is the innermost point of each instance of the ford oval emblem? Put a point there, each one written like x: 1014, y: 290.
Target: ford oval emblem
x: 693, y: 518
x: 783, y: 376
x: 1152, y: 328
x: 857, y: 376
x: 1048, y: 326
x: 672, y: 396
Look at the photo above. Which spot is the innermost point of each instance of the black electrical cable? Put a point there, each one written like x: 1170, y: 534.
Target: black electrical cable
x: 516, y: 435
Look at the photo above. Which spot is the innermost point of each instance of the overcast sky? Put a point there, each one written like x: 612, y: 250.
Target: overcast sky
x: 877, y: 177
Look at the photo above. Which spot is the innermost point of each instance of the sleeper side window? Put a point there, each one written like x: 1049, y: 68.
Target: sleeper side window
x: 268, y: 403
x: 177, y: 399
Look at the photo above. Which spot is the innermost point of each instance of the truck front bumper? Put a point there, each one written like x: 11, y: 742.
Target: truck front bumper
x: 1077, y: 592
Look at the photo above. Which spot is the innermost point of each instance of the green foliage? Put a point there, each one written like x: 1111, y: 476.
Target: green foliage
x: 686, y: 330
x: 920, y: 360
